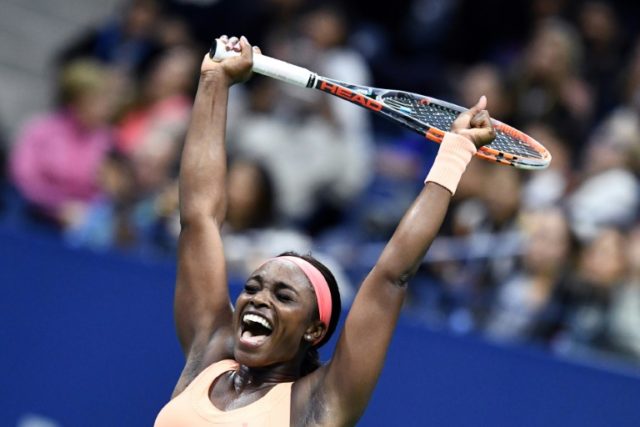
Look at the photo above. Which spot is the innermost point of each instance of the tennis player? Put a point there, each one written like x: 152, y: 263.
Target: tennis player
x: 256, y: 364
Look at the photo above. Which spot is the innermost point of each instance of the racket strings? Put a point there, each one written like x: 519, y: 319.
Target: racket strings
x: 442, y: 117
x: 434, y: 114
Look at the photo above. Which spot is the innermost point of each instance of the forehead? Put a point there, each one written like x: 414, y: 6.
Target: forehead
x: 281, y: 270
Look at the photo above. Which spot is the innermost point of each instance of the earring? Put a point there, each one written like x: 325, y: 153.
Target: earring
x: 308, y: 337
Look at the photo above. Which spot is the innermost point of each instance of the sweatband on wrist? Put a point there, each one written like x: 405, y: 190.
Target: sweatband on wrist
x: 454, y: 155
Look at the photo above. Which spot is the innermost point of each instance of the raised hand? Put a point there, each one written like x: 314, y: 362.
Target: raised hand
x: 475, y: 124
x: 235, y: 69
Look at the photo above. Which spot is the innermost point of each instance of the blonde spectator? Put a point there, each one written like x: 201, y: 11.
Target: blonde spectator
x: 57, y: 156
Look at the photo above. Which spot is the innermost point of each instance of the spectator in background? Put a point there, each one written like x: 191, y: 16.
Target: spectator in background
x: 150, y: 135
x: 57, y: 157
x: 318, y: 150
x: 548, y: 187
x: 548, y: 86
x: 161, y: 112
x: 125, y: 42
x: 526, y: 305
x: 631, y: 84
x: 601, y: 33
x: 486, y: 79
x: 108, y: 220
x: 600, y: 274
x: 624, y: 326
x: 609, y: 192
x: 250, y: 196
x: 250, y: 232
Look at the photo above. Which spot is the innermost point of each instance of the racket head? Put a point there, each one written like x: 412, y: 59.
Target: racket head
x: 510, y: 147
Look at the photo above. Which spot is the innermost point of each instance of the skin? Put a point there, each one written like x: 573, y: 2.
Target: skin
x: 208, y: 326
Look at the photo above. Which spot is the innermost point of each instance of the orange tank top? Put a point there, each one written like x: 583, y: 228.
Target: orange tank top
x: 193, y: 407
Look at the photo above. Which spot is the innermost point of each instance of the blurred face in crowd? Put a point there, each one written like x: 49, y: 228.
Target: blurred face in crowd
x: 92, y: 92
x: 325, y: 27
x: 140, y: 17
x: 246, y: 195
x: 633, y: 251
x: 502, y: 194
x: 553, y: 143
x: 544, y: 9
x: 116, y: 179
x: 173, y: 74
x: 609, y: 146
x: 485, y: 80
x: 632, y: 92
x: 153, y: 161
x: 552, y: 53
x: 548, y: 242
x: 598, y: 23
x: 603, y: 261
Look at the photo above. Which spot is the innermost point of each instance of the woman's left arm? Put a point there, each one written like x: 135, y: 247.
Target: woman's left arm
x: 351, y: 375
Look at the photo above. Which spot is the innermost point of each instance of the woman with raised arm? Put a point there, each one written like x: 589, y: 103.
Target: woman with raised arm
x: 256, y: 364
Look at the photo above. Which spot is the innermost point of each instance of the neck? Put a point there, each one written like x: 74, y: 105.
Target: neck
x: 258, y: 378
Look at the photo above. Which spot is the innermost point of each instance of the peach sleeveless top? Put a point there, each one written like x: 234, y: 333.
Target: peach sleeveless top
x: 193, y: 407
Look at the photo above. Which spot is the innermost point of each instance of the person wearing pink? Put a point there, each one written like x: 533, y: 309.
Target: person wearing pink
x: 56, y: 159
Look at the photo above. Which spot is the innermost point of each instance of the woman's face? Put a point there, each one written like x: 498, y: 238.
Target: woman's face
x: 273, y: 313
x: 548, y: 242
x: 603, y: 260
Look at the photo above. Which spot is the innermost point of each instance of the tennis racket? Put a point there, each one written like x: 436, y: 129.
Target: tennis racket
x: 427, y: 116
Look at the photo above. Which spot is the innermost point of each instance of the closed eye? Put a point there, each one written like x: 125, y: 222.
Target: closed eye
x: 251, y: 288
x: 284, y: 297
x: 285, y: 293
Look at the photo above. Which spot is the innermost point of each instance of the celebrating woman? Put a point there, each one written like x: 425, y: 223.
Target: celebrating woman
x: 256, y: 364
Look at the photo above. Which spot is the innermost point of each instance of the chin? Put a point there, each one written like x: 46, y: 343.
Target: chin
x: 253, y: 355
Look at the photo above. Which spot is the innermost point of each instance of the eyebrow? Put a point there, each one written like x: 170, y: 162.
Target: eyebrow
x: 258, y: 278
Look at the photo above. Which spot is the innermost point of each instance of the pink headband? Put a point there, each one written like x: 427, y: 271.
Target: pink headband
x: 320, y: 286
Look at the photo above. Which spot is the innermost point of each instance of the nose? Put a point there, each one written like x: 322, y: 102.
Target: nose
x: 259, y: 299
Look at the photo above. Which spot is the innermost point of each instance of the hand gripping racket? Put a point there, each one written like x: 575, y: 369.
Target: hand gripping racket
x: 429, y: 117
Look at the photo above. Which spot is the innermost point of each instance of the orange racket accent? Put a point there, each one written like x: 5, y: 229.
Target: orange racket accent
x: 435, y: 135
x: 430, y: 117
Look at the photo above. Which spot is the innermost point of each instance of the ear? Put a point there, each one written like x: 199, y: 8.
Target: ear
x: 315, y: 332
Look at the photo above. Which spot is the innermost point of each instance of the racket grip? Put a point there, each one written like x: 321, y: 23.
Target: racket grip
x: 268, y: 66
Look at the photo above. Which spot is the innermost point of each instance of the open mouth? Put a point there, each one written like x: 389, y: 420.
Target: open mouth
x: 255, y: 329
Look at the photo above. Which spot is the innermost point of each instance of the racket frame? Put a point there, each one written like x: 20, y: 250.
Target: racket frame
x: 371, y: 99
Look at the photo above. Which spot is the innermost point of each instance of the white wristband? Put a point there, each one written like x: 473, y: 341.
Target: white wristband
x: 454, y: 155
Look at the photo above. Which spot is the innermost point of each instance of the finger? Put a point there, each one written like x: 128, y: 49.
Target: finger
x: 232, y: 44
x: 480, y: 120
x: 464, y: 119
x: 246, y: 50
x: 257, y: 50
x: 484, y: 135
x: 224, y: 38
x: 480, y: 105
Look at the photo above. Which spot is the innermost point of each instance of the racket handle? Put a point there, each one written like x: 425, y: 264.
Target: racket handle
x: 268, y: 66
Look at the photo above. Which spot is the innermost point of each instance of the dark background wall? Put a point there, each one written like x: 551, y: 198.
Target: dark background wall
x: 88, y: 340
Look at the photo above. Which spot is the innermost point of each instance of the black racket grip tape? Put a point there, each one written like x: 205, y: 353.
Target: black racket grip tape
x: 213, y: 48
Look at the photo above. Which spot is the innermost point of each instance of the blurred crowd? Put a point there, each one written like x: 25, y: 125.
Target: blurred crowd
x: 549, y: 257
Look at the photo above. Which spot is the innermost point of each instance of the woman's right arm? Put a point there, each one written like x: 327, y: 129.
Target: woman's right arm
x: 203, y: 312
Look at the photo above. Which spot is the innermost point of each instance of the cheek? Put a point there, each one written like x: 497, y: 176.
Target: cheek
x: 295, y: 322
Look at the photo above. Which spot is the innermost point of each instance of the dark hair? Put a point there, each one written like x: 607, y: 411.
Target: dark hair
x: 266, y: 207
x: 312, y: 359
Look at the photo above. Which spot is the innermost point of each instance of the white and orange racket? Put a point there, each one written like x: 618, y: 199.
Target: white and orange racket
x: 427, y: 116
